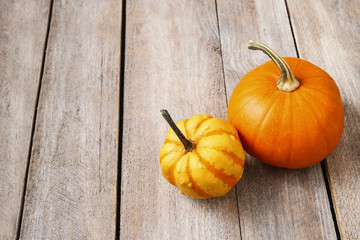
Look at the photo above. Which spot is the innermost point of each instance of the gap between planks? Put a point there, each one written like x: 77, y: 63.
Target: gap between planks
x: 292, y: 29
x: 34, y: 121
x: 121, y: 116
x: 331, y: 203
x: 226, y: 98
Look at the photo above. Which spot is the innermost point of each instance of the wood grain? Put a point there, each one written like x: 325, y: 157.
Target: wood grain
x: 173, y: 62
x: 71, y: 192
x: 328, y: 34
x: 274, y: 203
x: 22, y: 35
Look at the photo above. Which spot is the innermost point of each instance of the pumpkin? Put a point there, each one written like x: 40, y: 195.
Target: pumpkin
x: 202, y: 156
x: 288, y: 112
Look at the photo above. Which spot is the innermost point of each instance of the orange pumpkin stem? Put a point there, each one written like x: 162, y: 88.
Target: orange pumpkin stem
x: 287, y: 81
x: 188, y: 145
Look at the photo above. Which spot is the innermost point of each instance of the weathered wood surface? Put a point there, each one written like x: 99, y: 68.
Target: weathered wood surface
x: 172, y: 61
x: 184, y: 56
x: 274, y: 203
x: 22, y: 37
x: 71, y: 190
x: 327, y: 33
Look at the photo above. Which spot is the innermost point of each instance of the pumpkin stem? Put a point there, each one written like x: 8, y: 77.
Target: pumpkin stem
x: 188, y: 145
x: 287, y: 81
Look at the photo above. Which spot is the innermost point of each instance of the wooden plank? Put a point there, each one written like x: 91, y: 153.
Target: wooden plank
x: 274, y: 203
x: 172, y: 61
x: 327, y: 34
x: 22, y: 35
x: 71, y: 192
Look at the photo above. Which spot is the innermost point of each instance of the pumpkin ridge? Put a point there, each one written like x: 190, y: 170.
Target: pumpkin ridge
x: 259, y: 78
x: 280, y: 111
x: 171, y: 169
x: 293, y: 66
x: 249, y: 90
x: 167, y: 153
x: 327, y: 94
x: 237, y: 160
x: 241, y: 105
x: 164, y: 155
x: 176, y: 142
x: 186, y: 133
x: 291, y: 127
x: 261, y: 123
x: 218, y: 173
x: 262, y: 77
x: 330, y: 96
x: 217, y: 132
x: 317, y: 119
x: 196, y: 188
x: 241, y: 95
x: 315, y: 77
x: 201, y: 122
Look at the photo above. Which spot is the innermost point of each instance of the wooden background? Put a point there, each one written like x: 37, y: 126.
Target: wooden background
x: 81, y: 86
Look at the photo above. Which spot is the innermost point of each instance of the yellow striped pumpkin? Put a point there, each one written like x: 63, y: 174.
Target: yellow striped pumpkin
x: 211, y: 165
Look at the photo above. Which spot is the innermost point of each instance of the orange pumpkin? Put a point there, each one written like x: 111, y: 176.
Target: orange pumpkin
x: 288, y: 112
x: 202, y: 156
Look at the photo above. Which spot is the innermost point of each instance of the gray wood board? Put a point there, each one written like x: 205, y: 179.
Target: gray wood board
x: 327, y: 34
x: 22, y: 36
x: 71, y: 192
x: 274, y: 203
x: 172, y: 61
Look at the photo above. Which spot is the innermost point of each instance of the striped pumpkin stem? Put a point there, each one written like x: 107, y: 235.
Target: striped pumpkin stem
x: 188, y: 145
